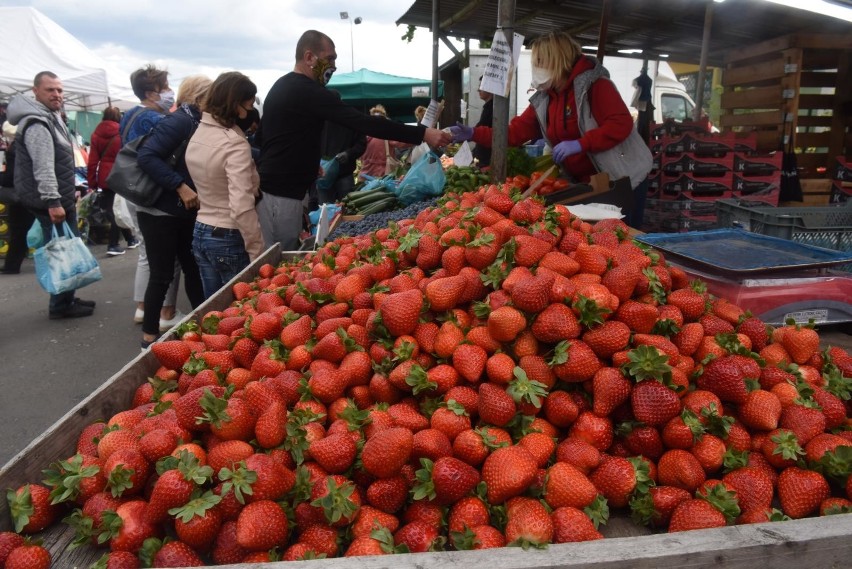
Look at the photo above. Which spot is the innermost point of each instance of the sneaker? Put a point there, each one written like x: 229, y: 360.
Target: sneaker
x: 82, y: 302
x: 166, y: 325
x: 139, y: 316
x: 114, y: 251
x: 133, y: 244
x: 145, y: 344
x: 74, y: 311
x: 9, y: 271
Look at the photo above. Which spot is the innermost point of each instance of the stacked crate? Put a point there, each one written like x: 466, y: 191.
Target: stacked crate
x: 4, y: 230
x: 841, y: 181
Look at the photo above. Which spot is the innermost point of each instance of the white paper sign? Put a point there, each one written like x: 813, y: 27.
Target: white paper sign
x: 463, y: 156
x: 501, y: 64
x: 431, y: 114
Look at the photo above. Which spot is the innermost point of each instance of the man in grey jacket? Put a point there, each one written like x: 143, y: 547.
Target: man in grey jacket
x: 44, y: 171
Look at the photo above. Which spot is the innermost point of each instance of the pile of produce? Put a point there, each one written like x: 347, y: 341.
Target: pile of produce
x: 461, y: 179
x: 367, y: 202
x: 379, y: 220
x: 492, y: 372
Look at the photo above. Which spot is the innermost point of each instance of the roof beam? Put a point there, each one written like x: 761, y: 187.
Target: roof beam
x: 463, y: 14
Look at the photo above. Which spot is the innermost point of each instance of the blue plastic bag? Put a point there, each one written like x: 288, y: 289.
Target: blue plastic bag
x: 35, y: 236
x: 328, y: 173
x: 425, y: 179
x: 65, y: 263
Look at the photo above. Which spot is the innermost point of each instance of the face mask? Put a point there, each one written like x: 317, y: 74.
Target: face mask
x: 541, y: 79
x: 323, y: 70
x: 245, y: 123
x: 167, y: 99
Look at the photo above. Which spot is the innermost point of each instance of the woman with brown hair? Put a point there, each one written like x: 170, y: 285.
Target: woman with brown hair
x: 227, y: 234
x: 105, y: 144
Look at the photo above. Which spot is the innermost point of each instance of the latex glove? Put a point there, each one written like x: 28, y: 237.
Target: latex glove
x: 540, y: 143
x: 342, y: 158
x: 461, y: 132
x: 565, y: 149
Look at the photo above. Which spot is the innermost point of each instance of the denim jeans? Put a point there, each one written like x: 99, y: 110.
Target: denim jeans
x: 62, y: 301
x: 220, y: 254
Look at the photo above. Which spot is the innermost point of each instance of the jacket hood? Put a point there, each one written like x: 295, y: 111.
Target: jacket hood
x: 21, y: 107
x: 106, y: 129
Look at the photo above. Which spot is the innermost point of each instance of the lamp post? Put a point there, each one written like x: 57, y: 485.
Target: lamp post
x: 352, y: 24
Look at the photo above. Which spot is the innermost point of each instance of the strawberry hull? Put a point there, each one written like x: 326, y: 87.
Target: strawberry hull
x: 814, y: 541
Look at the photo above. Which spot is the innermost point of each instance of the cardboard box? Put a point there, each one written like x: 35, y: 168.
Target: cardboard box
x: 697, y: 188
x: 766, y: 189
x: 757, y: 165
x: 700, y: 167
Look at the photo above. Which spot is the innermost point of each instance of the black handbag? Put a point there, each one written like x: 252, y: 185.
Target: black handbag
x: 128, y: 180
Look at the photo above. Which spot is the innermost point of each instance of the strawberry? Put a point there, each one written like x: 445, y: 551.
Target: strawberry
x: 388, y: 494
x: 335, y: 453
x: 653, y: 403
x: 724, y: 377
x: 642, y: 440
x: 28, y: 556
x: 617, y: 478
x: 607, y: 338
x: 417, y: 536
x: 174, y: 487
x: 555, y: 323
x: 681, y: 469
x: 571, y: 525
x: 528, y: 523
x: 609, y: 390
x: 695, y: 514
x: 117, y: 560
x: 621, y: 280
x: 574, y: 361
x: 505, y: 323
x: 531, y: 294
x: 756, y: 330
x: 261, y: 525
x: 565, y: 485
x: 690, y: 303
x: 801, y: 491
x: 171, y: 354
x: 8, y: 541
x: 638, y: 316
x: 508, y: 472
x: 496, y: 406
x: 336, y: 498
x: 761, y: 410
x: 445, y: 480
x: 753, y: 486
x: 559, y: 263
x: 30, y: 508
x: 400, y: 311
x: 655, y: 508
x: 477, y: 537
x: 126, y: 527
x: 469, y: 361
x: 594, y: 430
x: 805, y: 422
x: 387, y: 451
x: 445, y: 293
x: 530, y: 250
x: 272, y: 480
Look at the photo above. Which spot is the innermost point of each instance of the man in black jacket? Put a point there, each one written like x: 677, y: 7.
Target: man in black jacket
x: 291, y: 128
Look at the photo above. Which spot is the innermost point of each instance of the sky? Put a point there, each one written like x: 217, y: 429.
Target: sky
x: 256, y: 37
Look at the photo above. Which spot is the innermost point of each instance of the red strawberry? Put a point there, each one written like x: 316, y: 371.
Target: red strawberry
x: 638, y: 316
x: 528, y: 523
x: 805, y: 422
x: 724, y: 377
x: 400, y: 311
x: 387, y: 451
x: 530, y: 250
x: 445, y: 481
x: 610, y: 388
x: 801, y: 491
x: 608, y: 338
x: 695, y: 514
x: 753, y: 486
x: 571, y: 525
x: 655, y: 508
x: 508, y: 472
x: 417, y: 536
x: 681, y: 469
x: 28, y: 556
x: 261, y: 526
x: 496, y: 406
x: 176, y: 554
x: 565, y: 485
x: 8, y: 541
x: 30, y: 508
x: 335, y: 453
x: 594, y: 430
x: 171, y: 354
x: 653, y: 403
x: 557, y: 322
x: 126, y: 527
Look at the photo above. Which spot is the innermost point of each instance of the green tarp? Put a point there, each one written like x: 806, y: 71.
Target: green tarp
x: 399, y: 95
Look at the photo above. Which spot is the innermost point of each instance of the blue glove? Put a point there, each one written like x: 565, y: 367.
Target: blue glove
x: 461, y: 132
x: 540, y: 143
x: 565, y: 149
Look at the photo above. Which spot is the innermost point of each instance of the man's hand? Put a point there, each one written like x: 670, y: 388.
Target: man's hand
x: 188, y: 196
x: 57, y: 214
x: 436, y: 138
x: 342, y: 158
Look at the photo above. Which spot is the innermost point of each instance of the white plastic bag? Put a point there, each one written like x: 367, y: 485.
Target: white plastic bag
x: 418, y: 152
x: 123, y: 217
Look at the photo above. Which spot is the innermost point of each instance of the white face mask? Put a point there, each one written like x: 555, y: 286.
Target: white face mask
x: 541, y: 79
x: 167, y: 99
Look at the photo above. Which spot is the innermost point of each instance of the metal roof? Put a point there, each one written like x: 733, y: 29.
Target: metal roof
x: 673, y: 27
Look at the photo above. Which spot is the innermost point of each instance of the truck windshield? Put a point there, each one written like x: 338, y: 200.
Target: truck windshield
x: 676, y: 107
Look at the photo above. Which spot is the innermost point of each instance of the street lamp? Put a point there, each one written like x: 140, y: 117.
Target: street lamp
x: 356, y: 21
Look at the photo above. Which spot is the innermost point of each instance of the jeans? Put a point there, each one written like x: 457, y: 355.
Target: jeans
x: 62, y: 301
x: 167, y: 238
x: 220, y: 254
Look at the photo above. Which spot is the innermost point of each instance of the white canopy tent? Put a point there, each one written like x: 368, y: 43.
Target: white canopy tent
x: 36, y: 43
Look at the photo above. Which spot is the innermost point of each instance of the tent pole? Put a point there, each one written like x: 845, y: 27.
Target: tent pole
x: 702, y: 67
x: 436, y: 37
x: 500, y: 124
x: 605, y: 13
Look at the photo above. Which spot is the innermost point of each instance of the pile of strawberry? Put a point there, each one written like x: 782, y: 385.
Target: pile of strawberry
x: 494, y: 372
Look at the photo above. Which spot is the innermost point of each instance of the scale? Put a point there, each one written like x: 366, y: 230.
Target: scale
x: 774, y: 278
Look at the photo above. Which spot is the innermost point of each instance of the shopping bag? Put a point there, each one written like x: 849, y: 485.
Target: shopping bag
x: 35, y: 236
x: 328, y: 173
x: 425, y: 180
x: 65, y: 263
x: 127, y: 179
x: 123, y: 217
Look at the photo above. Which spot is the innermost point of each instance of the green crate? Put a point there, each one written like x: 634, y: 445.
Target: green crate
x: 829, y: 227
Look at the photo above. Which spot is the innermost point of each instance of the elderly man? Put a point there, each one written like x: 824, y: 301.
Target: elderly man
x: 44, y: 171
x: 290, y: 136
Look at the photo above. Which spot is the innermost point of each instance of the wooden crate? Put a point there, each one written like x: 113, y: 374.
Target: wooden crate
x: 813, y: 542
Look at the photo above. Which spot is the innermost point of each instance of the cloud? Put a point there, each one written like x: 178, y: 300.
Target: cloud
x: 257, y: 37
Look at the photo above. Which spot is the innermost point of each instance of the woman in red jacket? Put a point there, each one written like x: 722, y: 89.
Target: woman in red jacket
x: 106, y: 143
x: 581, y: 115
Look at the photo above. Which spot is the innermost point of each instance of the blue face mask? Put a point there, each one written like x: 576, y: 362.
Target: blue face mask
x: 167, y: 99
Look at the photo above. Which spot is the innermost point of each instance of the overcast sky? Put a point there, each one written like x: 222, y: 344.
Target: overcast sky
x: 257, y: 37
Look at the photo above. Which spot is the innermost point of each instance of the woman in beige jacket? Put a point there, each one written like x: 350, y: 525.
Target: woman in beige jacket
x: 227, y: 233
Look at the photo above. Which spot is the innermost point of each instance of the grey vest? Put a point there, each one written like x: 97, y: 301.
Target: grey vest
x: 631, y: 157
x: 63, y: 166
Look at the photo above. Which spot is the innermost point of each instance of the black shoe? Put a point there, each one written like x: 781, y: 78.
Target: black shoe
x: 81, y: 302
x: 9, y: 271
x: 76, y: 310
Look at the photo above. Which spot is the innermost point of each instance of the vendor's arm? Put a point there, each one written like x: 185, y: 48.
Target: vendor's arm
x: 522, y: 128
x: 243, y: 183
x: 611, y: 114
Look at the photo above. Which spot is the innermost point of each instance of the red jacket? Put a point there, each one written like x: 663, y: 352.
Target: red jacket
x: 608, y: 108
x: 105, y: 145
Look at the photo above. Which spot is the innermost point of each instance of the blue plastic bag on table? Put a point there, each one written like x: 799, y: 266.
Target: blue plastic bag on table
x: 65, y: 263
x: 425, y: 180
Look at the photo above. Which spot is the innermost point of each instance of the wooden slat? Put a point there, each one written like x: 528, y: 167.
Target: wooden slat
x: 822, y: 41
x: 820, y: 59
x: 806, y: 121
x: 750, y: 74
x: 767, y: 141
x: 757, y: 98
x: 766, y: 118
x: 816, y: 101
x: 768, y: 47
x: 818, y: 79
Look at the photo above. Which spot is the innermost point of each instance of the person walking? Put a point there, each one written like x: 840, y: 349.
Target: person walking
x: 227, y: 233
x: 290, y: 130
x: 105, y: 144
x: 44, y: 172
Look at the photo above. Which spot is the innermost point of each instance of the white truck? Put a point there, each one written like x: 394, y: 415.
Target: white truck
x: 669, y: 95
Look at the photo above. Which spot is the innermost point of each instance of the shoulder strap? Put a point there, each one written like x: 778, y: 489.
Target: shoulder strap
x: 387, y: 149
x: 130, y: 122
x: 109, y: 144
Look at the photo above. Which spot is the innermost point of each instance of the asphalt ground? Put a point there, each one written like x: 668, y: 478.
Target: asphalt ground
x: 48, y: 366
